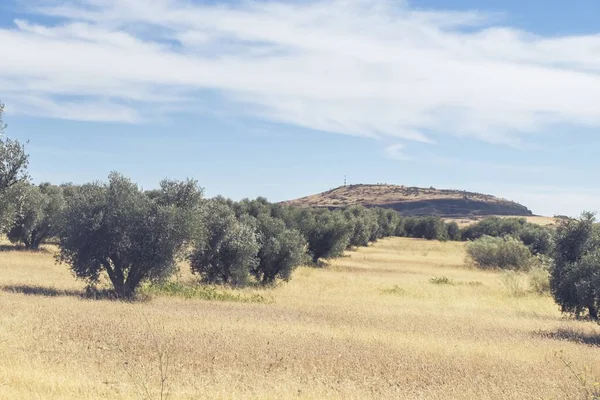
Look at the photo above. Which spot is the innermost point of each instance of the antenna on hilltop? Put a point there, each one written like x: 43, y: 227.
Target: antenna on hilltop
x: 344, y: 179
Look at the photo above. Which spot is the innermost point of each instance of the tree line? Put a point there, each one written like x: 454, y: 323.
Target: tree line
x: 135, y: 236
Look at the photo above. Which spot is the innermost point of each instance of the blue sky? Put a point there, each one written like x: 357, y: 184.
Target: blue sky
x: 282, y: 99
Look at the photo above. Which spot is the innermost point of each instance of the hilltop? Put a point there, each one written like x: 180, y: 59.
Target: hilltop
x: 414, y: 201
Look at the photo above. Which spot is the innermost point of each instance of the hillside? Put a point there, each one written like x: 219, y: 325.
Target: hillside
x: 414, y: 201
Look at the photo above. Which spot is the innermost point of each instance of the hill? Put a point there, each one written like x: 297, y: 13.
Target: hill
x: 415, y: 201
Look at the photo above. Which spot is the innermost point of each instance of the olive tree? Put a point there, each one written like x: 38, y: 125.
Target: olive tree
x: 453, y: 230
x: 327, y: 232
x: 13, y: 169
x: 183, y: 194
x: 13, y: 159
x: 388, y: 222
x: 575, y: 271
x: 430, y: 228
x: 228, y: 250
x: 38, y: 215
x: 116, y: 228
x: 365, y: 226
x: 537, y: 238
x: 281, y: 250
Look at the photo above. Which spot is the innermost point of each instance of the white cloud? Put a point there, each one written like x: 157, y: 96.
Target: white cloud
x: 371, y: 68
x: 396, y: 151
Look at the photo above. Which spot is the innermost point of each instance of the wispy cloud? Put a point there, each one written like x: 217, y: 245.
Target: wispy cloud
x: 396, y: 152
x: 373, y: 68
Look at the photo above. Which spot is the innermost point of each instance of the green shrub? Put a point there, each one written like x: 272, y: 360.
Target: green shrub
x: 494, y: 226
x: 503, y: 253
x: 537, y: 238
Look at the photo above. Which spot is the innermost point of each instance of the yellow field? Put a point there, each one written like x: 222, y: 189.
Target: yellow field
x: 371, y: 325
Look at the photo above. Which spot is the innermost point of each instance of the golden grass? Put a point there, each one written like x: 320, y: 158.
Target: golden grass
x: 371, y: 325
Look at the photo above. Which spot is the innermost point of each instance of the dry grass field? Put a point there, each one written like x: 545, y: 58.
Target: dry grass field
x: 371, y: 325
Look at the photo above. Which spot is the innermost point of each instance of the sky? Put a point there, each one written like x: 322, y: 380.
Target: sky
x: 284, y: 99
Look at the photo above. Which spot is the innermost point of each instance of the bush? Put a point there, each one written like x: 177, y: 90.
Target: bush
x: 503, y: 253
x: 228, y: 250
x: 494, y: 226
x: 537, y: 238
x: 281, y: 250
x: 575, y: 272
x: 118, y: 229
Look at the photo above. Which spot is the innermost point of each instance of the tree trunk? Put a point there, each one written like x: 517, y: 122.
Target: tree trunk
x: 133, y: 280
x: 26, y: 242
x: 116, y: 278
x: 593, y: 311
x: 36, y: 240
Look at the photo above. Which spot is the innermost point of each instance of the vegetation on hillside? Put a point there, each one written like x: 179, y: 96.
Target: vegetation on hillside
x: 413, y: 201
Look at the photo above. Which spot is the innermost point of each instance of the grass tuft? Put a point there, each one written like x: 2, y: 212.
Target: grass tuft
x: 395, y: 290
x: 202, y: 292
x: 442, y: 280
